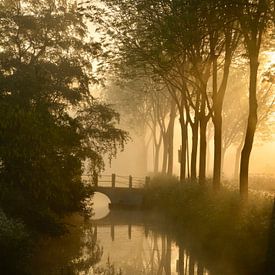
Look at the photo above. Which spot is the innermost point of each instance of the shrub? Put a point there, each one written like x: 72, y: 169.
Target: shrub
x: 219, y: 221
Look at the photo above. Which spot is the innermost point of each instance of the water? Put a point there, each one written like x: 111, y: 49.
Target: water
x: 119, y: 242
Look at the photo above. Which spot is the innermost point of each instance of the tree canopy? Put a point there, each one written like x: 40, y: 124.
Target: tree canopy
x: 50, y: 124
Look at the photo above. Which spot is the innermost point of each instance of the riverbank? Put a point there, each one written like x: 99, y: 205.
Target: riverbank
x: 210, y: 230
x: 223, y: 228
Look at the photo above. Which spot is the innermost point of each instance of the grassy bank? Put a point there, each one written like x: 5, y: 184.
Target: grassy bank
x: 225, y: 229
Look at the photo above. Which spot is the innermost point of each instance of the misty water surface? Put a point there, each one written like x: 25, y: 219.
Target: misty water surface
x: 131, y: 242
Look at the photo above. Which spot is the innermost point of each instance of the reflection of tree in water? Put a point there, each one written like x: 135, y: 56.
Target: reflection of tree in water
x: 156, y: 257
x: 89, y: 256
x: 153, y: 252
x: 156, y: 260
x: 156, y: 254
x: 75, y: 253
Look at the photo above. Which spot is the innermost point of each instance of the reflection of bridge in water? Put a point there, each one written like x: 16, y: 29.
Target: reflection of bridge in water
x: 117, y: 218
x: 153, y: 252
x: 123, y: 191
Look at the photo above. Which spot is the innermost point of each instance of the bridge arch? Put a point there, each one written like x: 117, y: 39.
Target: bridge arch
x: 100, y: 206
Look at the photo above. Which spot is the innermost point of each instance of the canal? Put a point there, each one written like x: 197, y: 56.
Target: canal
x: 122, y: 242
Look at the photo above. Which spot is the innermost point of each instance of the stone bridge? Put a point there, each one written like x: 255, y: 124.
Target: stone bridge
x: 123, y: 191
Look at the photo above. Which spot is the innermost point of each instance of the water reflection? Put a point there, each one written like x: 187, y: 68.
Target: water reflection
x: 120, y: 243
x: 134, y: 251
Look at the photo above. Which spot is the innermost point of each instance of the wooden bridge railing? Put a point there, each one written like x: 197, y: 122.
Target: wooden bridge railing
x: 115, y: 180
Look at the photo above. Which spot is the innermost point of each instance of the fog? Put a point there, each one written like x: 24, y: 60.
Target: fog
x: 139, y: 131
x: 131, y: 161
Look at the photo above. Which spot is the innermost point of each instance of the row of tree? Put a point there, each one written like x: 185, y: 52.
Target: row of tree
x: 185, y: 50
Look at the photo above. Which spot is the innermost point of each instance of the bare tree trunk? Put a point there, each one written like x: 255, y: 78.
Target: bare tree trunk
x: 222, y: 160
x: 251, y: 127
x: 194, y: 152
x: 171, y: 151
x: 165, y: 140
x: 237, y: 160
x: 238, y: 157
x: 171, y: 125
x: 208, y: 153
x: 217, y: 149
x: 203, y: 144
x: 156, y: 159
x: 144, y: 154
x: 187, y: 151
x: 218, y: 98
x: 183, y: 149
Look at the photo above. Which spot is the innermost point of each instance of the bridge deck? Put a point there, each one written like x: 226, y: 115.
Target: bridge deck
x: 122, y: 196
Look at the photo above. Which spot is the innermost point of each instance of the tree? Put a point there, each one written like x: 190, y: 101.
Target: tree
x: 254, y: 18
x: 235, y: 109
x: 49, y: 122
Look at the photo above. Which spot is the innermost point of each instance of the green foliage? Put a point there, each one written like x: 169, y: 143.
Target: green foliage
x: 218, y: 222
x: 50, y: 125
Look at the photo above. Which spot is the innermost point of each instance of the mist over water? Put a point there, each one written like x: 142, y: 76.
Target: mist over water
x: 137, y: 137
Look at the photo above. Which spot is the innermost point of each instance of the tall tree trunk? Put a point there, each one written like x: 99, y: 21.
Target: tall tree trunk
x: 238, y: 157
x: 251, y: 127
x: 144, y: 154
x: 194, y: 150
x: 203, y: 144
x: 187, y: 150
x: 237, y: 160
x: 208, y: 153
x: 217, y: 149
x: 218, y: 98
x: 156, y: 159
x: 165, y: 140
x: 183, y: 149
x: 222, y: 160
x: 217, y: 121
x: 171, y: 125
x: 170, y: 151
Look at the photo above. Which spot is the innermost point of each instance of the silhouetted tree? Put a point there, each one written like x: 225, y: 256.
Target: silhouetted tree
x: 49, y: 122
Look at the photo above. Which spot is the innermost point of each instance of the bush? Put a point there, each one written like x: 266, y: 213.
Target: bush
x: 219, y: 222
